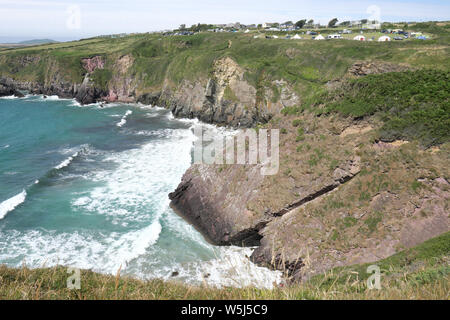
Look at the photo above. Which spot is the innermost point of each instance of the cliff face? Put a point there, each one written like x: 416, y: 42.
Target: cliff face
x: 338, y: 199
x: 340, y: 196
x: 226, y: 98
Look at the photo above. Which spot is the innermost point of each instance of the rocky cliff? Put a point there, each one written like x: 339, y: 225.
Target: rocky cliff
x: 341, y: 196
x: 225, y: 98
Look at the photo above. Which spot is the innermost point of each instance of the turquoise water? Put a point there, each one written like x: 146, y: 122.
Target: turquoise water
x: 87, y: 187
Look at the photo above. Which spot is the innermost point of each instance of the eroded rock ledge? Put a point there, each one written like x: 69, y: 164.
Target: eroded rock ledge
x: 203, y: 198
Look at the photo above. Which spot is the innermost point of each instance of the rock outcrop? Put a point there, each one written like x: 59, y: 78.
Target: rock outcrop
x: 227, y: 98
x: 92, y: 64
x: 337, y: 200
x: 7, y: 88
x: 365, y: 68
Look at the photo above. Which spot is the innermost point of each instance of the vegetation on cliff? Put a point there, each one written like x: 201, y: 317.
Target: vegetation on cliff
x: 411, y: 104
x: 418, y: 273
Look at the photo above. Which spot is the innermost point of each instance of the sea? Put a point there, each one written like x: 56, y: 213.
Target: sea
x: 87, y: 187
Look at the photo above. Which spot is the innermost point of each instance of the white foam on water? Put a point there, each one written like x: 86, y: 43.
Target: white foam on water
x: 9, y: 97
x: 67, y: 161
x: 85, y: 250
x: 10, y: 204
x: 142, y: 179
x: 75, y: 103
x: 53, y: 98
x: 230, y: 268
x: 123, y: 121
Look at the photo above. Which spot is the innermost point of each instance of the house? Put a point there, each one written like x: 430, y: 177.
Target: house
x: 286, y: 25
x: 372, y: 25
x: 266, y: 25
x: 384, y: 38
x: 355, y: 23
x: 359, y: 38
x: 319, y: 37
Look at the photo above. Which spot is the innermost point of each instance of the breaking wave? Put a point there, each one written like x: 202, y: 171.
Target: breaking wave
x: 10, y: 204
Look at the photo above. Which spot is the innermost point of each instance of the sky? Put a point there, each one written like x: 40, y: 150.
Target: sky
x: 70, y: 19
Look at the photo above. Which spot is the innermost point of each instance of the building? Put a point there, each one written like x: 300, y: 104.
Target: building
x: 266, y: 25
x: 372, y: 25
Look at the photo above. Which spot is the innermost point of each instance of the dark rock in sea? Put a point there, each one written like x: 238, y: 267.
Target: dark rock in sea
x: 175, y: 274
x: 149, y: 98
x: 8, y: 88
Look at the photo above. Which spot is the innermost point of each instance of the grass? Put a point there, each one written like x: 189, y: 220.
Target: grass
x: 306, y: 65
x: 418, y: 273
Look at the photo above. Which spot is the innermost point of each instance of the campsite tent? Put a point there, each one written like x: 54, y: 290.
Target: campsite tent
x: 384, y: 38
x: 421, y: 38
x: 319, y: 37
x: 359, y: 38
x: 247, y: 31
x: 296, y: 37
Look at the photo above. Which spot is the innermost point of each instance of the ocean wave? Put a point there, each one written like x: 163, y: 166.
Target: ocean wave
x: 10, y: 204
x: 230, y: 268
x: 9, y: 97
x: 123, y: 121
x: 67, y: 161
x: 87, y: 250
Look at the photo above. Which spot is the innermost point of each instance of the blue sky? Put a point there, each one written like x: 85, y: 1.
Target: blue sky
x: 65, y: 19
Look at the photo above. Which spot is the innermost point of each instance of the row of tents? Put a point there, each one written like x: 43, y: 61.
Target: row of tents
x: 357, y: 38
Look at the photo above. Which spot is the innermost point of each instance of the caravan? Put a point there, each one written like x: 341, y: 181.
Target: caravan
x: 334, y: 36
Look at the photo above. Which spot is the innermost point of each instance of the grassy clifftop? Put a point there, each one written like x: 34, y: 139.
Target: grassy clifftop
x: 306, y: 64
x: 418, y: 273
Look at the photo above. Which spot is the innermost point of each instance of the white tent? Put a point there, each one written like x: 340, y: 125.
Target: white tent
x: 296, y: 37
x: 359, y: 38
x: 384, y: 38
x: 275, y: 37
x: 247, y: 31
x: 319, y: 37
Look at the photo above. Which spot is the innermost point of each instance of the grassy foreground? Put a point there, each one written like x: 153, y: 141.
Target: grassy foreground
x: 418, y: 273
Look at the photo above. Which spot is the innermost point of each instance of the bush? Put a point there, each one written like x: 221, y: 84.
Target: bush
x: 411, y: 104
